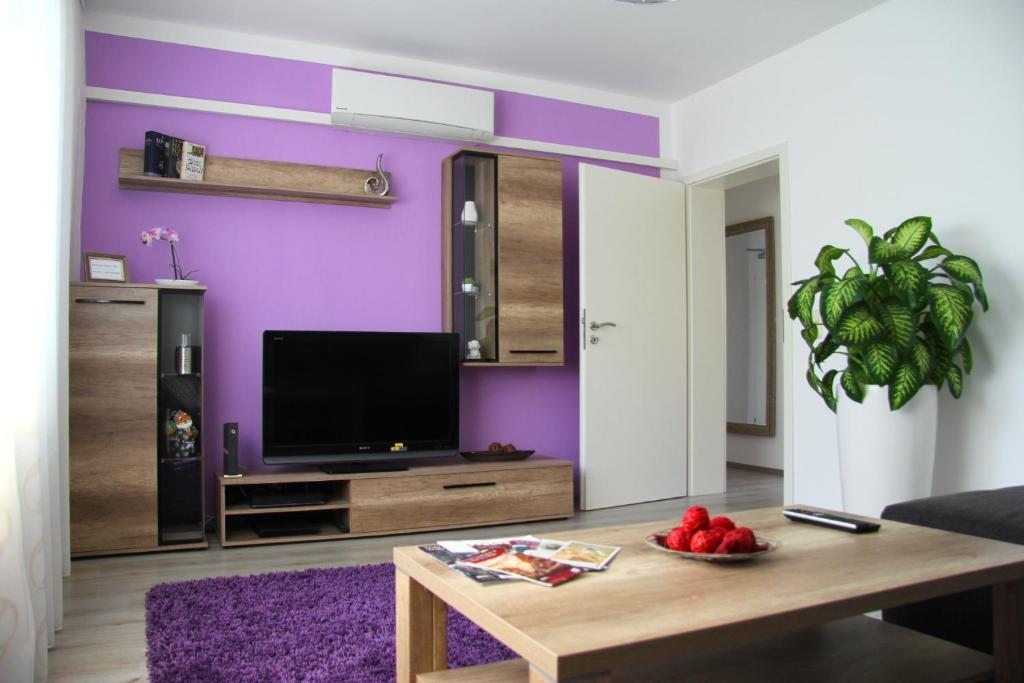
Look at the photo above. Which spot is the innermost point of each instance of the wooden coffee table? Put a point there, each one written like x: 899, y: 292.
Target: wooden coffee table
x: 794, y: 612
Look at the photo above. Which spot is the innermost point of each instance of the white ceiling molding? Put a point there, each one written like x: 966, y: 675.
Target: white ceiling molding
x: 283, y: 48
x: 146, y: 99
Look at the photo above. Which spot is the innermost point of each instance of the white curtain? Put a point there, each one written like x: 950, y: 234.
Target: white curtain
x: 41, y: 126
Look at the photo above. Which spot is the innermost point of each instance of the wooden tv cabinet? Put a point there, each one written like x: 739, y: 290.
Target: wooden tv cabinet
x: 436, y: 494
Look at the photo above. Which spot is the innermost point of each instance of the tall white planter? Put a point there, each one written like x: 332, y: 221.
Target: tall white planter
x: 886, y: 456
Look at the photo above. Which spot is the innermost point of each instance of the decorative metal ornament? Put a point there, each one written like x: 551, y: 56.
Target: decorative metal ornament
x: 377, y: 184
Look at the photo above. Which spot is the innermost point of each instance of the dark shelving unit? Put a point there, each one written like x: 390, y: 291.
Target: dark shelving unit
x: 181, y: 514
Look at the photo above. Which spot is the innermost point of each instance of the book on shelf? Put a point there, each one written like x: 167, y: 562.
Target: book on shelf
x: 154, y: 155
x: 169, y: 157
x: 193, y: 161
x: 172, y: 168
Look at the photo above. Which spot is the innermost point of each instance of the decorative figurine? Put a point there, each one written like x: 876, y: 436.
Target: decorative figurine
x: 181, y: 435
x: 378, y: 184
x: 474, y: 350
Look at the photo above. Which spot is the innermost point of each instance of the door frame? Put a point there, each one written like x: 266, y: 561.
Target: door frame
x: 708, y: 177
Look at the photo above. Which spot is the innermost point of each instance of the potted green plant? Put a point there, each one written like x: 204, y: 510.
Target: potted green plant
x: 899, y: 323
x: 469, y: 285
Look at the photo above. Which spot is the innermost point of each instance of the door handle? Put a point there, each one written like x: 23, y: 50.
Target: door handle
x: 110, y: 301
x: 597, y: 325
x: 449, y: 487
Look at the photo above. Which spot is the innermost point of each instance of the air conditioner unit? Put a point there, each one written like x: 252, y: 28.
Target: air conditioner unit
x: 365, y: 101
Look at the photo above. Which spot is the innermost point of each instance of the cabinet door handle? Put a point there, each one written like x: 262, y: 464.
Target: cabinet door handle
x: 532, y: 351
x: 110, y: 301
x: 470, y: 486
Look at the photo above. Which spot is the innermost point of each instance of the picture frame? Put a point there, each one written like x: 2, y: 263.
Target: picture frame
x: 105, y: 267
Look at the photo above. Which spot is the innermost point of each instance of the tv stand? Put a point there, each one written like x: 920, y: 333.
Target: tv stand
x: 448, y: 493
x: 363, y: 467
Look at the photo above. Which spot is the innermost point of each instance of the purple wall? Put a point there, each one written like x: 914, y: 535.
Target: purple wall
x: 291, y: 265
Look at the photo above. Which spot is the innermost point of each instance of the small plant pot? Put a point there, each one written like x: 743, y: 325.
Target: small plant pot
x: 468, y: 287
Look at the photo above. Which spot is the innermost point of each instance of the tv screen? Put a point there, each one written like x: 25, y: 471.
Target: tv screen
x: 335, y: 397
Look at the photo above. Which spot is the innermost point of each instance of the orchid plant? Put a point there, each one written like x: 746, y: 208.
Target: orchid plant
x: 169, y: 235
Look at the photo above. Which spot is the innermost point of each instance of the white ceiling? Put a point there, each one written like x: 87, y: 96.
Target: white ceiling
x: 662, y: 52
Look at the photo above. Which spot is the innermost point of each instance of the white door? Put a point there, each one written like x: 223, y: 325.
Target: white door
x: 633, y: 437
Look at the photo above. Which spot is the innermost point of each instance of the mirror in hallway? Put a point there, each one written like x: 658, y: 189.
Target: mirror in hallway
x: 750, y: 338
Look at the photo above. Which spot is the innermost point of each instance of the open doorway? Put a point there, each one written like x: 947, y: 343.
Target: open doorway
x: 753, y: 324
x: 748, y: 193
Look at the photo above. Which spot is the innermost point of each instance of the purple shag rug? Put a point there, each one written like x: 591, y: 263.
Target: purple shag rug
x: 317, y: 625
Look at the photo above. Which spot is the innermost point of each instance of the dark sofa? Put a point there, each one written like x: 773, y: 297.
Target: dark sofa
x: 964, y: 618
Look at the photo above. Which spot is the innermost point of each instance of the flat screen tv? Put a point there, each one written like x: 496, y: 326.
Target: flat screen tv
x: 338, y: 399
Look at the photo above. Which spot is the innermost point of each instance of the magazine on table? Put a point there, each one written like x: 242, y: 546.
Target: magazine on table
x: 543, y: 561
x: 576, y: 554
x: 507, y: 560
x: 450, y: 552
x: 519, y: 543
x: 449, y: 558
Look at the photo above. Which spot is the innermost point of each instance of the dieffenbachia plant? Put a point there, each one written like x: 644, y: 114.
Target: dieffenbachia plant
x: 900, y: 324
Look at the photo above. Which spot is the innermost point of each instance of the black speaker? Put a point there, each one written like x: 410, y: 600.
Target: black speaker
x: 231, y: 450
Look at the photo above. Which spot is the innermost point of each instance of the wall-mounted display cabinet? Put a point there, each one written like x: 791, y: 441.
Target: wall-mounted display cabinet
x: 502, y: 258
x: 136, y: 418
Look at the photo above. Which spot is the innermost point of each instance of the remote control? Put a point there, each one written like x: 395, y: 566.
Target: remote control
x: 853, y: 526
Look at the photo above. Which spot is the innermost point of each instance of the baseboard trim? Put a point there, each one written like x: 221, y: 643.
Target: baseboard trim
x: 753, y: 468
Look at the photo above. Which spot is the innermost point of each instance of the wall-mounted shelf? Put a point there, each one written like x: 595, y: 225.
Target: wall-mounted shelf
x: 282, y: 181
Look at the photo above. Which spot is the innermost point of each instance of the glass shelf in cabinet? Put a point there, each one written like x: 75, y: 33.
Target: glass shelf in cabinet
x: 479, y: 225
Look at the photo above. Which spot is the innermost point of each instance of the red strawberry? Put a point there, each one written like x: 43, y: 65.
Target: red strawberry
x: 661, y: 539
x: 733, y: 542
x: 723, y: 522
x: 745, y: 539
x: 706, y: 541
x: 696, y: 518
x: 678, y: 539
x: 728, y: 545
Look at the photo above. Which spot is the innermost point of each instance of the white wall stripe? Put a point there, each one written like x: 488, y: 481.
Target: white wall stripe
x: 219, y: 39
x: 145, y: 99
x: 196, y: 104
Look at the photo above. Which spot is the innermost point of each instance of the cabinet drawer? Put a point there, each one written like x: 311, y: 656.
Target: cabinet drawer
x: 463, y: 499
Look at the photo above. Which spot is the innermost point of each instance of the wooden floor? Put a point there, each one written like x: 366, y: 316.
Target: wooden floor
x: 104, y: 638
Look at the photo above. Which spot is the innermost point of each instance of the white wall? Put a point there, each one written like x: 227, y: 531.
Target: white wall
x: 746, y: 203
x: 914, y: 107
